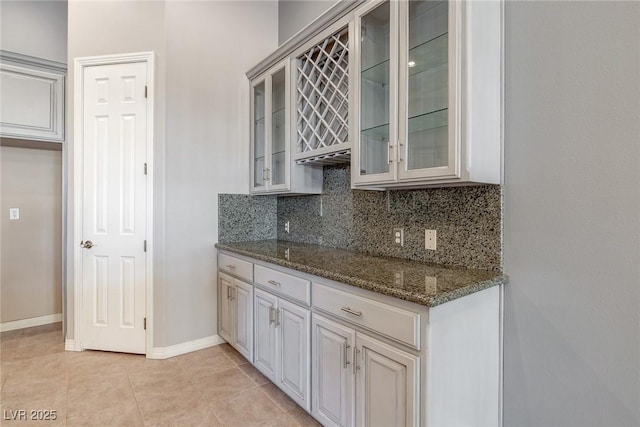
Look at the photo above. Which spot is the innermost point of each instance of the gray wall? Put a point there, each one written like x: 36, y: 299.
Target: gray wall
x: 294, y: 15
x: 35, y: 28
x: 572, y: 209
x: 207, y: 146
x: 31, y: 256
x: 31, y: 248
x: 202, y: 108
x: 572, y: 214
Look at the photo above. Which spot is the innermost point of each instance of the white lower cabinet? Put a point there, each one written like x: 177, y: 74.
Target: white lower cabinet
x: 236, y: 314
x: 333, y: 372
x: 282, y: 345
x: 225, y: 323
x: 387, y: 384
x: 351, y: 357
x: 358, y: 377
x: 266, y: 346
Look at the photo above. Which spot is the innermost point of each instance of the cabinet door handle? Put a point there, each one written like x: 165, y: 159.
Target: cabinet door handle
x: 233, y: 292
x: 400, y: 151
x: 271, y: 316
x: 351, y: 311
x: 389, y: 154
x: 230, y: 266
x: 268, y: 174
x: 264, y: 174
x: 274, y: 283
x: 277, y: 317
x: 229, y: 292
x: 346, y: 354
x: 356, y: 367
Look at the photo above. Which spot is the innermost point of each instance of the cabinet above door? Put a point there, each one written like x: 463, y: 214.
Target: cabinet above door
x: 32, y: 102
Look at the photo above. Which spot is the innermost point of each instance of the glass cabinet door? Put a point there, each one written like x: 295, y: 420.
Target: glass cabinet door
x: 424, y: 129
x: 258, y: 136
x: 279, y: 138
x: 377, y: 93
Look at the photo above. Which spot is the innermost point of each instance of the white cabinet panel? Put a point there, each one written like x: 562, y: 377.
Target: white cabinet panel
x: 284, y: 284
x: 235, y: 314
x: 387, y: 386
x: 265, y: 360
x: 393, y: 322
x: 225, y: 288
x: 294, y: 352
x: 236, y: 267
x: 332, y: 381
x: 32, y: 102
x: 243, y: 331
x: 282, y: 346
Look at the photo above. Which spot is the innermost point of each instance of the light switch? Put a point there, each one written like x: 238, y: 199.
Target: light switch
x: 430, y: 239
x: 14, y: 213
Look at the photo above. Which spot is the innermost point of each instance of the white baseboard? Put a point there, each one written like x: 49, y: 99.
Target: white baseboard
x: 185, y: 347
x: 28, y: 323
x: 70, y: 345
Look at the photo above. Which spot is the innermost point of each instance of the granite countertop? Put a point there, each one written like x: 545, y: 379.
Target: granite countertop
x: 418, y: 282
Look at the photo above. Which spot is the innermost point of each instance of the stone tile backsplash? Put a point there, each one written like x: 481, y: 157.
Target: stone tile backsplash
x: 244, y: 218
x: 468, y: 220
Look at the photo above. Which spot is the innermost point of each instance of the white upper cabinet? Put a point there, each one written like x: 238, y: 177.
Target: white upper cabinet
x: 428, y: 93
x: 32, y: 102
x: 271, y: 161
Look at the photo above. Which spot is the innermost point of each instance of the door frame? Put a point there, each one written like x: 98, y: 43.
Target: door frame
x: 78, y: 188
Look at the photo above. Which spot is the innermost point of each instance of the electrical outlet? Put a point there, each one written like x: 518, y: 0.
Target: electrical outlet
x: 399, y: 278
x: 430, y: 284
x: 286, y: 227
x: 398, y: 236
x: 430, y: 239
x: 14, y: 213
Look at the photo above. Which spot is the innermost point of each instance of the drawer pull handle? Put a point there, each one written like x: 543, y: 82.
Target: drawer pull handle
x: 351, y: 311
x: 231, y: 266
x: 274, y: 283
x: 346, y: 355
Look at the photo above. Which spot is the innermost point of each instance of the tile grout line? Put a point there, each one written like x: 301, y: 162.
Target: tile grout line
x: 135, y: 397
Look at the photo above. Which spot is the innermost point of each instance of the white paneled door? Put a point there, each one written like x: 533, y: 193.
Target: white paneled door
x: 114, y: 128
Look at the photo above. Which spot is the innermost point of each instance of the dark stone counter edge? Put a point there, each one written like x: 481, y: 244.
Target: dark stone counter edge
x: 426, y: 300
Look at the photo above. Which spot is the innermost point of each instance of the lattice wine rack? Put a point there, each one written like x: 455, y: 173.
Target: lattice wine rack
x: 322, y: 102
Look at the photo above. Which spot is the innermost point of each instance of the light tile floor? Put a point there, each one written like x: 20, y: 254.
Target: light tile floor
x: 211, y: 387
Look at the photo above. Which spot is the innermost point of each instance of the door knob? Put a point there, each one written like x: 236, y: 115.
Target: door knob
x: 87, y: 245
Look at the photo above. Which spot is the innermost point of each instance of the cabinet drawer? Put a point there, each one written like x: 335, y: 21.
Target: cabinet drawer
x: 235, y: 266
x: 284, y: 284
x: 393, y: 322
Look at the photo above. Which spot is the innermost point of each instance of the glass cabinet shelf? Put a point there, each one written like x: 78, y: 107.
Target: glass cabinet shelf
x: 379, y: 73
x: 428, y: 55
x: 432, y: 120
x: 381, y: 131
